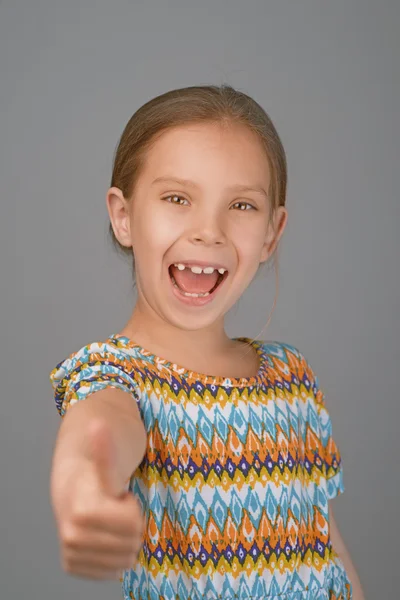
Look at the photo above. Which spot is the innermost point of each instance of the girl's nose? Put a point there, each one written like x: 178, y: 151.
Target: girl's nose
x: 209, y: 234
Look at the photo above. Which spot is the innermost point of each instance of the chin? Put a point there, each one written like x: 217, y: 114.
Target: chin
x: 191, y: 322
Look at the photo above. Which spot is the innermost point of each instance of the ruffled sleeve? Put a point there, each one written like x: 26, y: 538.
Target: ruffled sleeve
x: 93, y: 368
x: 321, y: 425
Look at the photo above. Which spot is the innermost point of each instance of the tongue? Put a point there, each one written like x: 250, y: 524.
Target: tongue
x: 192, y: 282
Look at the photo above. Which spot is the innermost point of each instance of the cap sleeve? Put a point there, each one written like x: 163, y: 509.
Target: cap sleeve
x: 327, y: 447
x: 93, y: 368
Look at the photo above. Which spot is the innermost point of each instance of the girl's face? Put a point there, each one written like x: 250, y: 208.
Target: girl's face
x: 200, y: 200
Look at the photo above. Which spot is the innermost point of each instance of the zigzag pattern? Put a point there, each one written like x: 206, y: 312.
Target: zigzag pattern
x: 236, y: 478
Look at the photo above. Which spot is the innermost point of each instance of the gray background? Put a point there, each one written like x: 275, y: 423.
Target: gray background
x: 72, y: 73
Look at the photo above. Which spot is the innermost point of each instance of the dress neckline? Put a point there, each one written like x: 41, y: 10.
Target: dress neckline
x: 193, y: 376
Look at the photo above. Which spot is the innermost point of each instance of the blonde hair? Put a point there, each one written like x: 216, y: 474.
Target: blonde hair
x: 196, y: 104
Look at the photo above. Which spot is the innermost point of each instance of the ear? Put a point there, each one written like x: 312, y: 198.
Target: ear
x: 118, y: 210
x: 276, y: 227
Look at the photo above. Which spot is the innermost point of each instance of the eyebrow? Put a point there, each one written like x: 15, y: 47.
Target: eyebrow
x: 237, y: 187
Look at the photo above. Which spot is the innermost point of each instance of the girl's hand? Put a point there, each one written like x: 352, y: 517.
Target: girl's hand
x: 100, y: 526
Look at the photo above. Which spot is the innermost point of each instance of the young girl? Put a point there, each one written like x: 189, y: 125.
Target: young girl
x: 226, y: 443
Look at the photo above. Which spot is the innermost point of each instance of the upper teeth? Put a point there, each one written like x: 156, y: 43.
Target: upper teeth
x: 198, y: 270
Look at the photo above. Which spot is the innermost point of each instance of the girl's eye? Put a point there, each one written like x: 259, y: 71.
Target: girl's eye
x: 175, y: 199
x: 244, y: 206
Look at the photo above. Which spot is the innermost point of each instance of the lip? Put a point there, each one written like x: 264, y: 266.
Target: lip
x: 198, y: 263
x: 201, y: 300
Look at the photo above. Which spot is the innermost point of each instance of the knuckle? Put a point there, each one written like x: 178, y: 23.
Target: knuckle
x: 70, y: 536
x: 134, y: 555
x: 137, y: 544
x: 83, y: 509
x: 81, y: 515
x: 67, y: 566
x: 131, y: 530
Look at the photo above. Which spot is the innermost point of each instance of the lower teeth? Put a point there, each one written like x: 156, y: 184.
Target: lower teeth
x: 201, y: 295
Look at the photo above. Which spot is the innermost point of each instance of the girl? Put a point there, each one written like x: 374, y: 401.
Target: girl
x: 226, y: 443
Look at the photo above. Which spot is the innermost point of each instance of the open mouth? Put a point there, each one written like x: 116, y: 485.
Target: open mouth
x: 196, y: 282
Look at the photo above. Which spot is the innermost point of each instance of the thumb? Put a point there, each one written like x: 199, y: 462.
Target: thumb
x: 102, y: 453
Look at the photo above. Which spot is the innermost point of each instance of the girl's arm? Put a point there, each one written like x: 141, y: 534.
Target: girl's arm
x: 340, y: 547
x: 100, y: 443
x: 126, y: 429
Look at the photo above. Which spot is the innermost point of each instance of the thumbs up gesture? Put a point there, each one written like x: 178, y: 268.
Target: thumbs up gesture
x: 100, y: 525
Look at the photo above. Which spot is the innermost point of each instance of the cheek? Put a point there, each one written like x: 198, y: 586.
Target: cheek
x: 249, y: 240
x: 154, y: 231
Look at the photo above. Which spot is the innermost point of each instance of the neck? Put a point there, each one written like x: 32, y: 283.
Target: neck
x: 166, y: 340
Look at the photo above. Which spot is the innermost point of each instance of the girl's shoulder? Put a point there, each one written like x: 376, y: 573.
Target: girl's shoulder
x: 291, y: 365
x: 107, y: 352
x: 285, y: 356
x: 98, y: 364
x: 281, y: 349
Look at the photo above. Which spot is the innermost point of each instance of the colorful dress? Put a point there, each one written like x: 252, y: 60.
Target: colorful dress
x: 236, y: 477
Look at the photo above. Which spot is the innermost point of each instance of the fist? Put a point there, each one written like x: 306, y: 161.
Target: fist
x: 100, y: 526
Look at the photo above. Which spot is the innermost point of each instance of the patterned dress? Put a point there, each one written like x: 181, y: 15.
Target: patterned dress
x: 236, y: 477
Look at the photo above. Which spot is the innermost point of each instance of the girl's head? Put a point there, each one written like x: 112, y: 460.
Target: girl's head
x: 199, y: 179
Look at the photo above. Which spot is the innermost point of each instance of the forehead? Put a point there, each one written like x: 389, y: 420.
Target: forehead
x: 208, y: 151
